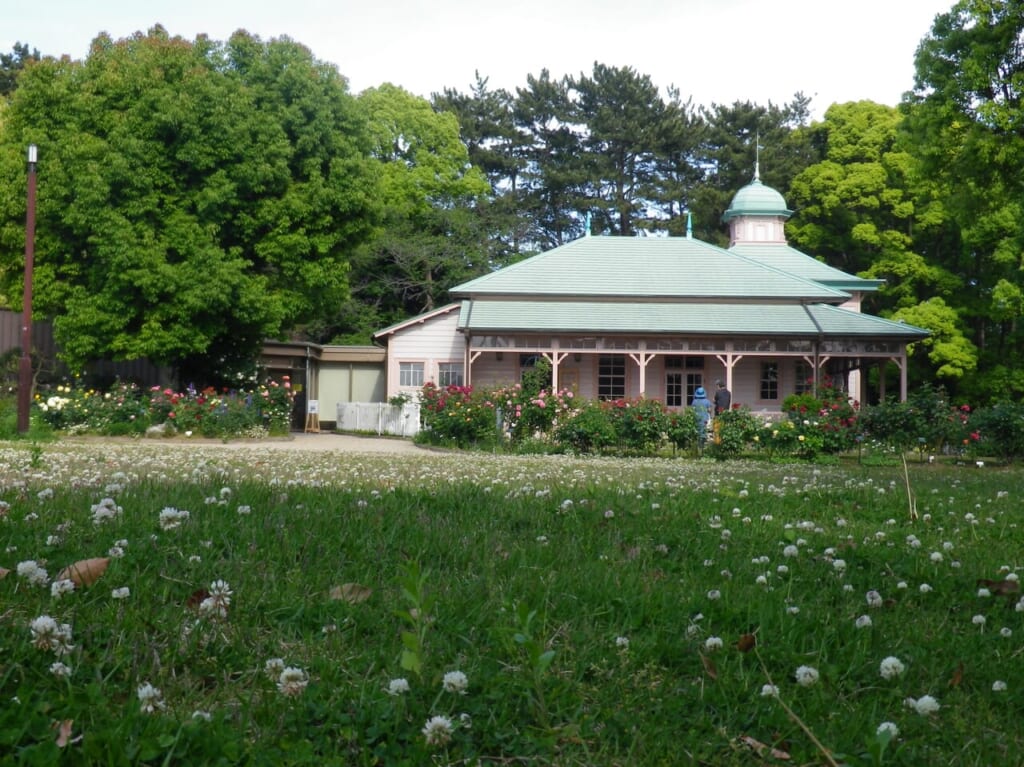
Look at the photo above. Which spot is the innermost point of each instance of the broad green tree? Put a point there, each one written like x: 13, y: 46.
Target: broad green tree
x: 965, y: 120
x: 949, y: 351
x: 195, y: 198
x: 858, y: 208
x: 429, y: 239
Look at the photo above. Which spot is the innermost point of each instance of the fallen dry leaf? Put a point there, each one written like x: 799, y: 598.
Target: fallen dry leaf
x: 958, y: 675
x: 196, y: 598
x: 763, y: 749
x: 746, y: 643
x: 85, y: 572
x: 3, y: 572
x: 63, y: 732
x: 353, y: 593
x: 709, y: 666
x: 1000, y: 588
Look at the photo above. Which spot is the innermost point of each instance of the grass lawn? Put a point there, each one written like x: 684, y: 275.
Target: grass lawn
x: 256, y: 606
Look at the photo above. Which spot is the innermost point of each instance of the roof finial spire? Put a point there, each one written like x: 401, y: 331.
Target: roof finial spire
x: 757, y: 155
x: 689, y: 225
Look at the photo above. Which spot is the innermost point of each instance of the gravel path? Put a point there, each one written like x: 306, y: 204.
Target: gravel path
x: 323, y: 442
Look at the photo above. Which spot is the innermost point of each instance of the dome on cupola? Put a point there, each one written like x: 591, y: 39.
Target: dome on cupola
x: 756, y: 199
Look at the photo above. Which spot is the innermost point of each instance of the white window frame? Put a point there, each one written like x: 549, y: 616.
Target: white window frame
x: 449, y: 373
x: 410, y: 374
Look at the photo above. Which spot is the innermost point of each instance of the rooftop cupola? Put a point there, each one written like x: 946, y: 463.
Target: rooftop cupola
x: 757, y: 213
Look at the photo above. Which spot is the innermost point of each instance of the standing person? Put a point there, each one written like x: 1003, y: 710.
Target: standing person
x: 703, y: 408
x: 723, y: 399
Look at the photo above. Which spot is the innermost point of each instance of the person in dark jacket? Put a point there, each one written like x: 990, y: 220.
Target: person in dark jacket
x: 723, y: 399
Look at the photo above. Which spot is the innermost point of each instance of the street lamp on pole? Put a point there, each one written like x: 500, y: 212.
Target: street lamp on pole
x: 25, y: 363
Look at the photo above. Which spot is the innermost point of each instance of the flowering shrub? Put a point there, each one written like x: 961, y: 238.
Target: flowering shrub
x: 827, y: 422
x: 457, y: 415
x: 732, y: 432
x: 587, y: 430
x: 121, y: 410
x: 683, y: 429
x: 527, y: 413
x: 126, y: 409
x: 640, y: 424
x: 997, y: 430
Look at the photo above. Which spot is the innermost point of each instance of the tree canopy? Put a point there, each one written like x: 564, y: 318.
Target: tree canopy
x: 195, y: 198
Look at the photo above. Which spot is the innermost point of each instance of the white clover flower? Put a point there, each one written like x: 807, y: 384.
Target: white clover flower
x: 171, y: 518
x: 243, y: 510
x: 204, y: 716
x: 935, y: 556
x: 806, y: 676
x: 782, y: 570
x: 924, y: 705
x: 793, y: 610
x: 874, y: 599
x: 609, y: 514
x: 216, y: 605
x: 999, y: 686
x: 622, y: 643
x: 1006, y: 632
x: 32, y: 572
x: 398, y: 686
x: 924, y: 588
x: 769, y: 691
x: 863, y: 622
x: 105, y: 511
x: 120, y: 593
x: 888, y: 728
x: 292, y: 681
x: 978, y: 620
x: 901, y: 585
x: 984, y: 593
x: 61, y: 587
x: 839, y: 565
x: 891, y: 667
x: 60, y: 670
x: 47, y: 634
x: 274, y: 667
x: 711, y: 644
x: 438, y: 730
x: 456, y: 682
x: 150, y: 698
x: 790, y: 551
x: 761, y: 580
x: 714, y: 594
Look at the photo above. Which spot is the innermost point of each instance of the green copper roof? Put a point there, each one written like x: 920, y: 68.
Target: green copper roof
x: 646, y: 268
x: 491, y: 316
x: 793, y: 261
x: 756, y: 199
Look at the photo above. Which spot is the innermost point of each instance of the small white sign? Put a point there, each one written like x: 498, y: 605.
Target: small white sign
x: 313, y: 406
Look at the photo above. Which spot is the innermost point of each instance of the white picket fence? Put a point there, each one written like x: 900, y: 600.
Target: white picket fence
x: 379, y: 417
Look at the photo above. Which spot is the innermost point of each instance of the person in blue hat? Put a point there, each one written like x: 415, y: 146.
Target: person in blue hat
x: 703, y: 408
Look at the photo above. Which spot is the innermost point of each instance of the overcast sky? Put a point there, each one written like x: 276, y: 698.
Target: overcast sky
x: 715, y: 51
